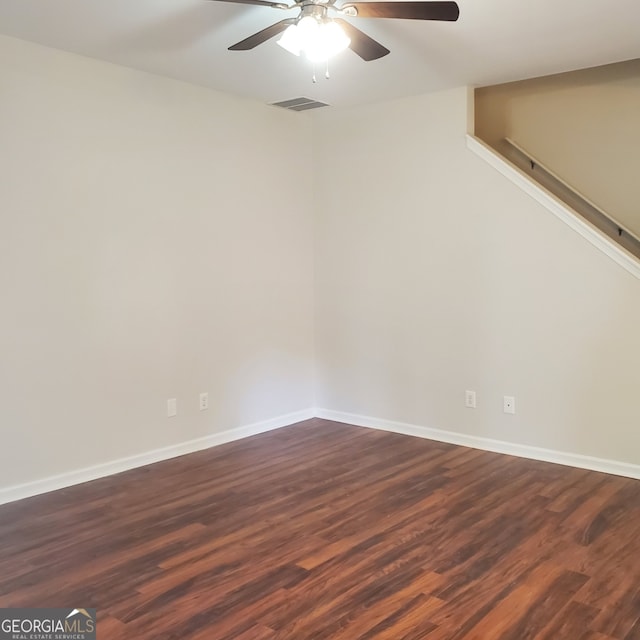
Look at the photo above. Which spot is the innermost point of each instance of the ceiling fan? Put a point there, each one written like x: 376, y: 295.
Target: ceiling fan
x: 320, y: 36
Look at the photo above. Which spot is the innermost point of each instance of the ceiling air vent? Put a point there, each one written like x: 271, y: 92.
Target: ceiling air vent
x: 300, y: 104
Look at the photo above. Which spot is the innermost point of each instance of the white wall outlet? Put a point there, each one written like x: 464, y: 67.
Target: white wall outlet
x: 509, y: 405
x: 470, y: 399
x: 204, y: 401
x: 172, y: 407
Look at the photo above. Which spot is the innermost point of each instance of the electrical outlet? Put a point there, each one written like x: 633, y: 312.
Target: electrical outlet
x: 204, y: 401
x: 470, y: 399
x: 172, y: 407
x: 509, y: 405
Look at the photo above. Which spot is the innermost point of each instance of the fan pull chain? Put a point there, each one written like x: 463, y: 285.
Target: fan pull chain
x: 314, y: 79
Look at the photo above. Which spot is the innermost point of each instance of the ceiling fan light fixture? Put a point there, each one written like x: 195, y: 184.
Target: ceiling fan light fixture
x: 318, y: 40
x: 290, y: 40
x: 329, y: 41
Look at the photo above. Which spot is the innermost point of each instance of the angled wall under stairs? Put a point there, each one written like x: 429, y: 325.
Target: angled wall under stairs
x: 577, y: 135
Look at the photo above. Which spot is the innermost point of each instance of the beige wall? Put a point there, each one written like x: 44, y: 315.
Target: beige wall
x: 584, y: 126
x: 435, y: 275
x: 150, y: 248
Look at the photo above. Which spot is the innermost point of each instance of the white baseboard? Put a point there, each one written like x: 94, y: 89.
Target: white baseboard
x: 487, y: 444
x: 52, y: 483
x: 17, y: 492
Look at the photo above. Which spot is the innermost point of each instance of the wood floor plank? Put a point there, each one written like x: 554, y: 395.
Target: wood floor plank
x: 328, y: 531
x: 571, y: 622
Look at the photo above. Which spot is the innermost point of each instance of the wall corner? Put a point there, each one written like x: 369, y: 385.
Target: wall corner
x: 471, y: 111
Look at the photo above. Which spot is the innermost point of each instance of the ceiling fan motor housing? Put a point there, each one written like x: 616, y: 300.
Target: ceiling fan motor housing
x: 312, y: 10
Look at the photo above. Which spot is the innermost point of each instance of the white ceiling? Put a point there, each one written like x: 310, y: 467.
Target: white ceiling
x: 493, y: 41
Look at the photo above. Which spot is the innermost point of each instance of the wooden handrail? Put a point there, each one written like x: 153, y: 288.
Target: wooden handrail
x: 578, y: 201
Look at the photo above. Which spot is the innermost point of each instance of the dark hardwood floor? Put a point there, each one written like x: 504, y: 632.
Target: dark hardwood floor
x: 323, y: 530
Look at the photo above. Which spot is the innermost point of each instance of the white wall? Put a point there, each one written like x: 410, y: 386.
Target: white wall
x: 154, y: 243
x: 435, y: 274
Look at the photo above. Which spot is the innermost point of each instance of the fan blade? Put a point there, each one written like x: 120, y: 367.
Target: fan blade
x: 447, y: 11
x: 362, y: 44
x: 262, y: 36
x: 263, y: 3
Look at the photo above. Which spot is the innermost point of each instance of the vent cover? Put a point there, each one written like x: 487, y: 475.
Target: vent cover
x: 300, y: 104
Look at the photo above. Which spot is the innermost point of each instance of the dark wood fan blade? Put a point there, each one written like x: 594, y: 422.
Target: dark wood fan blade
x: 362, y: 44
x: 263, y: 3
x: 447, y: 11
x: 262, y: 36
